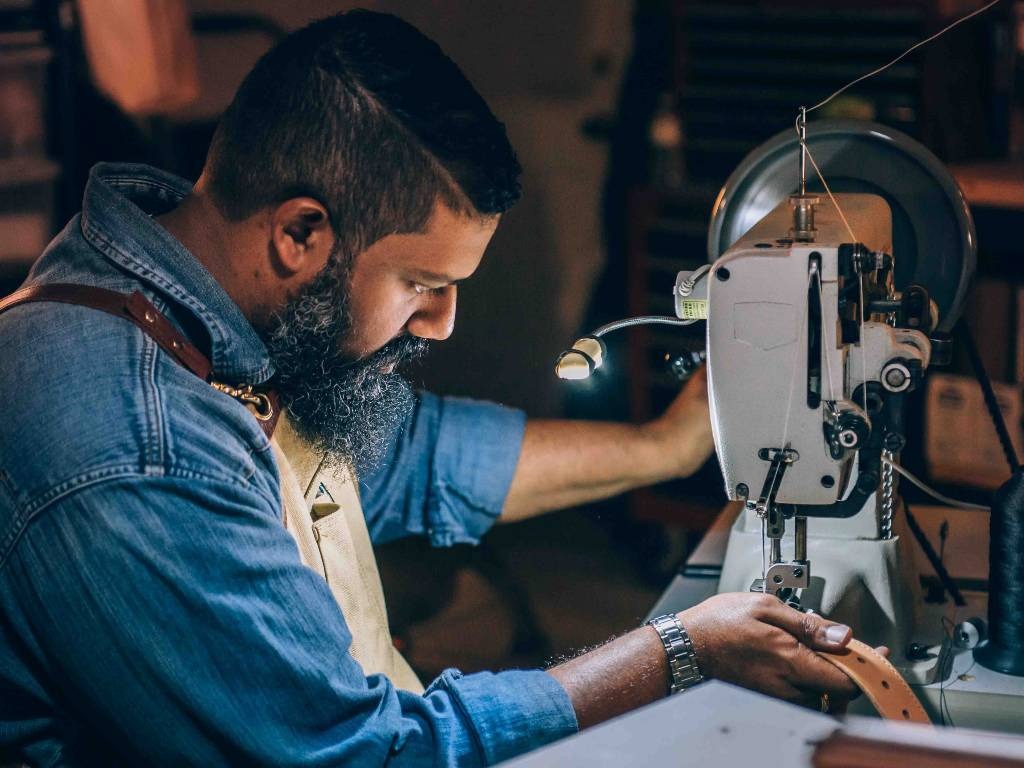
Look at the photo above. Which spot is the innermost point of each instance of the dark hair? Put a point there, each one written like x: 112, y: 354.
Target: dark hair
x: 364, y: 113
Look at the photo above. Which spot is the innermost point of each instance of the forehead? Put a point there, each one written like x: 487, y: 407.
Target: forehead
x: 452, y: 244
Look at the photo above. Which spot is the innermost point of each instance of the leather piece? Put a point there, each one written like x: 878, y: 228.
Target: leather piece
x: 139, y: 310
x: 884, y: 687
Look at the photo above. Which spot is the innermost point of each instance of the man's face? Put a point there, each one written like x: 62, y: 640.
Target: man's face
x: 337, y: 346
x: 408, y: 283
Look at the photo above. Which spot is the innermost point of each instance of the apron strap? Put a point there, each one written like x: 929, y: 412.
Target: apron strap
x: 139, y: 310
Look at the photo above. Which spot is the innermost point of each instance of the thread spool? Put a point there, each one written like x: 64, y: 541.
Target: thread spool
x: 1004, y: 651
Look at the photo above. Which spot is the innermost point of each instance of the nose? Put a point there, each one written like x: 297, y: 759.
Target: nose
x: 435, y: 319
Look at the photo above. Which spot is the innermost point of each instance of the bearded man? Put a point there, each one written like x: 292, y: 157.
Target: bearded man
x: 153, y: 607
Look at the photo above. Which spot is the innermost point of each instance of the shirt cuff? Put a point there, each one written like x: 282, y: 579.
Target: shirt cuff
x: 476, y: 455
x: 510, y: 712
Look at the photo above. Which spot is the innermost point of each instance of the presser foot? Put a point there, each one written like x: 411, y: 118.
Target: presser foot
x: 785, y: 580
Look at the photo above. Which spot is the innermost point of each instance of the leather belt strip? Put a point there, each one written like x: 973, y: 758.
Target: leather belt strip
x: 141, y: 311
x: 884, y: 687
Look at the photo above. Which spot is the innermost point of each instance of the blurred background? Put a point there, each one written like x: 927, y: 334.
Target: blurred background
x: 627, y: 117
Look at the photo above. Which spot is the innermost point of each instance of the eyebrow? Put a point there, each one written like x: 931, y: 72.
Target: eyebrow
x: 434, y: 277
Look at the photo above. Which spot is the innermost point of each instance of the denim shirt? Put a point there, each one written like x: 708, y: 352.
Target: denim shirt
x: 153, y: 609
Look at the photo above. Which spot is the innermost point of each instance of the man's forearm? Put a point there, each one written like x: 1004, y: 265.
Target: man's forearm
x: 563, y: 463
x: 745, y: 638
x: 620, y: 676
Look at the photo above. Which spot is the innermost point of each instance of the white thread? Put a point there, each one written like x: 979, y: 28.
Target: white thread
x: 785, y: 421
x: 909, y: 50
x: 932, y: 492
x: 860, y: 282
x: 764, y: 557
x: 629, y: 322
x: 802, y: 116
x: 829, y: 191
x: 796, y: 366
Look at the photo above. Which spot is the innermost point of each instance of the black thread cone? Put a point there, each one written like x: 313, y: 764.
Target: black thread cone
x: 1004, y: 651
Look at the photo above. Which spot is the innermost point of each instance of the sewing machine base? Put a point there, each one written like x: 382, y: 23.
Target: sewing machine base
x: 856, y: 578
x: 952, y: 687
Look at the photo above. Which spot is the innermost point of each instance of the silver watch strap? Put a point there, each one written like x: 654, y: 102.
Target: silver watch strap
x: 682, y: 659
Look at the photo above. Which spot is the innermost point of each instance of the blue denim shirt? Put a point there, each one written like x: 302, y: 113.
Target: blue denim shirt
x: 153, y: 609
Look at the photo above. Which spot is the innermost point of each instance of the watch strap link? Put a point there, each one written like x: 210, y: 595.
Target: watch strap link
x: 682, y: 658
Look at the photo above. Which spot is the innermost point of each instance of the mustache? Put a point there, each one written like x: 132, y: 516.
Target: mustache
x: 397, y: 353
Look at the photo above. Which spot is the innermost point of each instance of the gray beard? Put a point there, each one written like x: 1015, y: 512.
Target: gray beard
x: 348, y: 409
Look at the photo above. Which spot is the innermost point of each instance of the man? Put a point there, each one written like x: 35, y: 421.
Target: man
x: 153, y: 608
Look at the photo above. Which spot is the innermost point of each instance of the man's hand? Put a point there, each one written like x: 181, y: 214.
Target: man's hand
x: 756, y: 641
x: 683, y: 431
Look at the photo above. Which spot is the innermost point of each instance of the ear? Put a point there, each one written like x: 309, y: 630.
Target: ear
x: 302, y: 237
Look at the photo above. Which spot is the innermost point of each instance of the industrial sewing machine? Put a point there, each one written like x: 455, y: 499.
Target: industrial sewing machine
x: 824, y: 311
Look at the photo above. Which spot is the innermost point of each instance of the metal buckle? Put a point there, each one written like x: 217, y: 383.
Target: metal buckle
x: 263, y: 409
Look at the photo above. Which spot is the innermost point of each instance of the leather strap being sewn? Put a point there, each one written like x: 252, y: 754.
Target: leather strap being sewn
x: 139, y: 310
x: 884, y: 687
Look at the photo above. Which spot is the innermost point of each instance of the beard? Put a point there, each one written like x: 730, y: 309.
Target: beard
x: 347, y: 408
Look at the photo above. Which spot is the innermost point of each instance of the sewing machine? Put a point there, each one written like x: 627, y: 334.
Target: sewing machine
x: 806, y: 400
x: 824, y: 311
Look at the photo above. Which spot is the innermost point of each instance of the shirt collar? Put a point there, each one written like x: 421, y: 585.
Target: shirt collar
x: 116, y: 219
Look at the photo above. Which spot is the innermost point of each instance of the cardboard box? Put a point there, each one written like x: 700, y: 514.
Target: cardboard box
x: 990, y: 314
x: 961, y: 444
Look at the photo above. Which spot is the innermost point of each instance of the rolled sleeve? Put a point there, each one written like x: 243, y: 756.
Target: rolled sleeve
x: 447, y: 473
x: 512, y: 712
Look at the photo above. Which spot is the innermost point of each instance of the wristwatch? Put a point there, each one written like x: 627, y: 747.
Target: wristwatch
x: 682, y: 658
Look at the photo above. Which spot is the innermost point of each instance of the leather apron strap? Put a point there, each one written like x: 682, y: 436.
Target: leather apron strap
x: 139, y: 310
x: 884, y: 687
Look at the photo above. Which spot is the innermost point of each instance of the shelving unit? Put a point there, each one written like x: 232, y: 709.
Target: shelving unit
x: 28, y: 175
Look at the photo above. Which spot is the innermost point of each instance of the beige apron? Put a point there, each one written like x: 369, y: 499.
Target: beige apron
x: 333, y: 541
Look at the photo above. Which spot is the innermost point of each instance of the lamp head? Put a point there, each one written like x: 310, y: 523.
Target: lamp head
x: 579, y: 362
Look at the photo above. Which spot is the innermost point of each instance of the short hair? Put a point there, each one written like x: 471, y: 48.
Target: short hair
x: 367, y: 115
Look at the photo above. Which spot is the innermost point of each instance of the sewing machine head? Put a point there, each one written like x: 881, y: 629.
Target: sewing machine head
x: 808, y: 345
x: 820, y: 307
x: 819, y: 316
x: 824, y: 308
x: 822, y: 317
x: 810, y: 352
